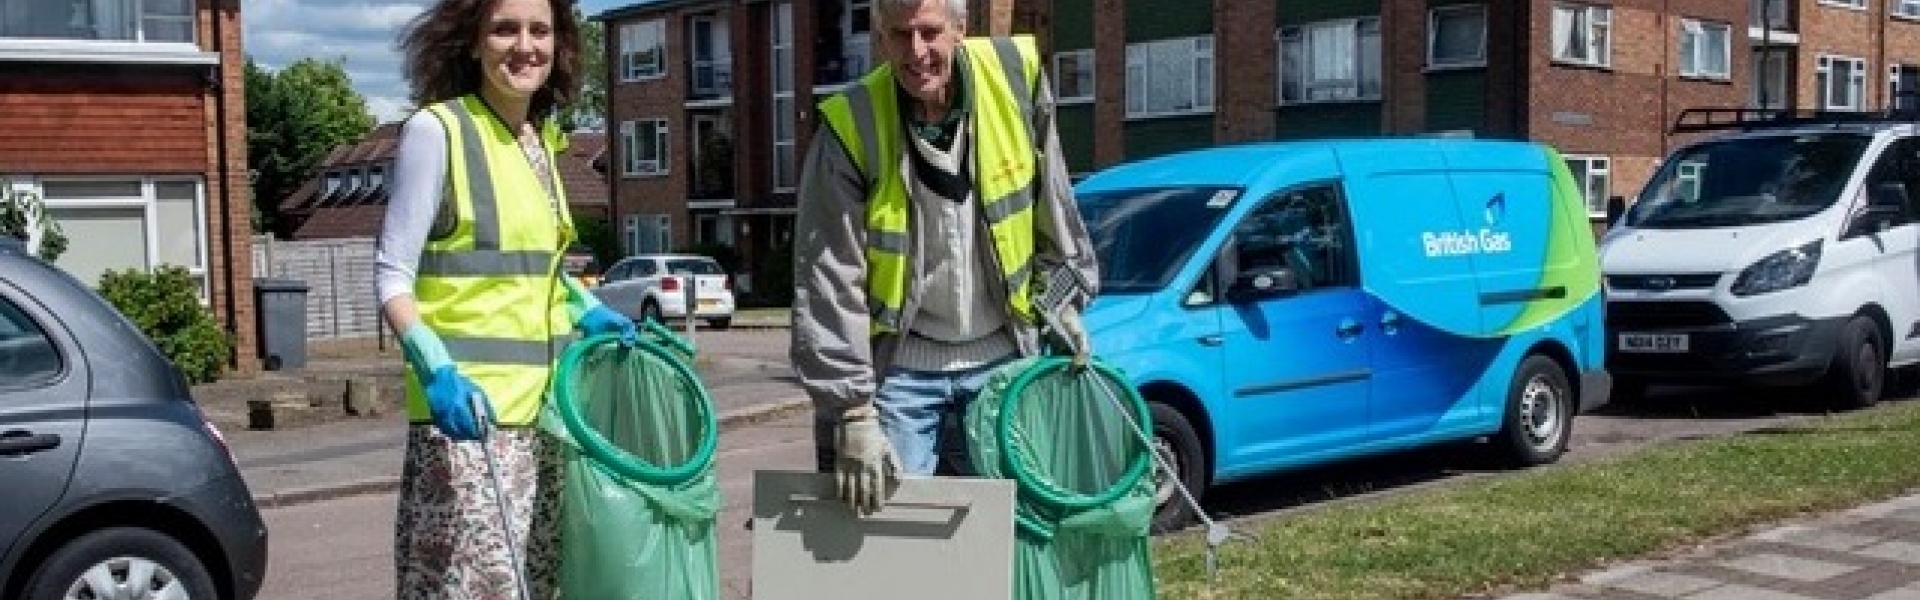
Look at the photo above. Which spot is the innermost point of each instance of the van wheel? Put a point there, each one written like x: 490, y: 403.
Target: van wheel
x: 1539, y: 416
x: 650, y: 311
x: 1178, y: 445
x: 1858, y: 376
x: 122, y: 562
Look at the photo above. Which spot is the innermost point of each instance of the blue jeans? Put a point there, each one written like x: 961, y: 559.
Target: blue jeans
x: 923, y: 414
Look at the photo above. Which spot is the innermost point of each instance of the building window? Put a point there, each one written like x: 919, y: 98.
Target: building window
x: 644, y: 144
x: 1770, y: 88
x: 1457, y: 36
x: 711, y: 56
x: 1903, y: 87
x: 649, y: 234
x: 1842, y: 82
x: 1583, y: 34
x: 1073, y: 76
x: 1595, y: 175
x: 1170, y: 77
x: 152, y: 220
x: 100, y: 20
x: 643, y: 50
x: 1906, y: 8
x: 1330, y: 61
x: 785, y: 166
x: 1705, y: 49
x: 1853, y: 4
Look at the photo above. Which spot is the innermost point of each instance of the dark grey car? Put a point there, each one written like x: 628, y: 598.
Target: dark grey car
x: 112, y: 483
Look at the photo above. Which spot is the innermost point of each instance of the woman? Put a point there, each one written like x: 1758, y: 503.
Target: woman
x: 469, y: 273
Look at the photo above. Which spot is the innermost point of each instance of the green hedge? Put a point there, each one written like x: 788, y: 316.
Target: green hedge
x: 165, y: 305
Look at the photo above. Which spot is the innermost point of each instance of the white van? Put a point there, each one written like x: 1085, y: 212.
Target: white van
x: 1783, y: 254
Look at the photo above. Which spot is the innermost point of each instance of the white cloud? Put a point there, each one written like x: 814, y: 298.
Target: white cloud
x: 362, y: 32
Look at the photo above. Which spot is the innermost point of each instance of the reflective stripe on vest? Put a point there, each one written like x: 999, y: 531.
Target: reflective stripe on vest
x: 866, y: 119
x: 491, y: 289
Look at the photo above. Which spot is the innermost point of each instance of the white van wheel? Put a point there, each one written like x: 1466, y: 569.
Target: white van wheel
x: 1539, y: 415
x: 1858, y: 376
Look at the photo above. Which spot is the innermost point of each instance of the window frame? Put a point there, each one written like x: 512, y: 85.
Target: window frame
x: 1856, y: 80
x: 1894, y: 90
x: 1904, y: 9
x: 1061, y: 76
x: 1846, y: 4
x: 719, y: 62
x: 1479, y: 60
x: 633, y: 37
x: 783, y: 108
x: 1697, y: 29
x: 146, y: 200
x: 1589, y: 14
x: 634, y: 164
x: 1200, y: 82
x: 1356, y: 88
x: 1596, y: 207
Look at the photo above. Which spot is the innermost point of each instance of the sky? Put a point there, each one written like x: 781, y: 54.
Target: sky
x: 279, y: 32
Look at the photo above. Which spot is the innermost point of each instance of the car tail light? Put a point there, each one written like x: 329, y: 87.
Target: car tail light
x: 670, y: 284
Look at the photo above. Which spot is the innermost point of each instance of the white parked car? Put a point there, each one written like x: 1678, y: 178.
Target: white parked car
x: 654, y: 286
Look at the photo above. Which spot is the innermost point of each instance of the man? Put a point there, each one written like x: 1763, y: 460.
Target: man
x: 927, y: 205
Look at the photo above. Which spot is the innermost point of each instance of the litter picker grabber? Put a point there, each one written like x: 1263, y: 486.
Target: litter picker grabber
x: 477, y: 403
x: 1060, y: 286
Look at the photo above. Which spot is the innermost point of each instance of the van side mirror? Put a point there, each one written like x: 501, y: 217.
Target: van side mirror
x: 1260, y: 284
x: 1616, y: 206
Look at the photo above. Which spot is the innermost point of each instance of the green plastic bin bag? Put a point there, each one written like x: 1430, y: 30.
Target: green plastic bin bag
x: 1085, y: 500
x: 637, y: 433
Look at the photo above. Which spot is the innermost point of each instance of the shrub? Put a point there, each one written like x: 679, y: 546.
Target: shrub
x: 20, y: 212
x: 165, y: 305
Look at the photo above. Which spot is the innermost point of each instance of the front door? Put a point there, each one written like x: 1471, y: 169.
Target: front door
x: 1298, y: 377
x: 43, y: 392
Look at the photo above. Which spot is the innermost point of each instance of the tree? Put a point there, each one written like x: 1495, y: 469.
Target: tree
x: 589, y: 109
x: 294, y: 118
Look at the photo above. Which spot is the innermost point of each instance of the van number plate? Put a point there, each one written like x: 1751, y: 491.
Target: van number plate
x: 1653, y: 342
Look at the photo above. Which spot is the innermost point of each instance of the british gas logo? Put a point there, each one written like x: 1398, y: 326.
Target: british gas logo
x: 1486, y: 240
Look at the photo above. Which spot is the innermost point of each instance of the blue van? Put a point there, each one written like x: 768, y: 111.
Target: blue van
x: 1290, y: 304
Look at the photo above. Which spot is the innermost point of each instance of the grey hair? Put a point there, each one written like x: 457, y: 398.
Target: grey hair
x: 958, y: 8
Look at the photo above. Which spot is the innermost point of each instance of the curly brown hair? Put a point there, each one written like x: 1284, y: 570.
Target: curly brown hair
x: 440, y: 43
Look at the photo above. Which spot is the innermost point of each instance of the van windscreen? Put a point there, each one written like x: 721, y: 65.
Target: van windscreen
x: 1142, y: 236
x: 1748, y: 180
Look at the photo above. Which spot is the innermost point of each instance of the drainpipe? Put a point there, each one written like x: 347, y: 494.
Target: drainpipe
x: 218, y: 87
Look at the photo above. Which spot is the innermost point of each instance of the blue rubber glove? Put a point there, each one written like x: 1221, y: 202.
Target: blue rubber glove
x: 600, y: 319
x: 451, y: 397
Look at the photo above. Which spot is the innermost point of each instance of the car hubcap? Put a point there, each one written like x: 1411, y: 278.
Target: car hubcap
x: 1865, y: 369
x: 127, y: 578
x: 1540, y: 413
x: 1163, y: 480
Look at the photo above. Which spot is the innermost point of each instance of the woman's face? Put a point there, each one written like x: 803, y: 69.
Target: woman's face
x: 516, y: 47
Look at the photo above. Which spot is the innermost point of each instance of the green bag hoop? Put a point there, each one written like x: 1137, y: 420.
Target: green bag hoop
x: 1042, y: 490
x: 611, y: 457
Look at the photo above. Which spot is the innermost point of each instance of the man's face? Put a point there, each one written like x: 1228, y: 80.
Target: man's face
x: 919, y: 43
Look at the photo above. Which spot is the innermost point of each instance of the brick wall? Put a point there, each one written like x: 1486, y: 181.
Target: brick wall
x: 1642, y: 90
x: 228, y: 202
x: 659, y: 98
x: 1245, y: 66
x: 1403, y: 58
x: 1110, y: 81
x: 1826, y: 29
x: 1902, y: 47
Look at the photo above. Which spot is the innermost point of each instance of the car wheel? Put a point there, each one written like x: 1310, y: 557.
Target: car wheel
x: 720, y: 323
x: 1858, y: 376
x: 1539, y: 416
x: 122, y: 562
x: 1179, y: 447
x: 650, y: 311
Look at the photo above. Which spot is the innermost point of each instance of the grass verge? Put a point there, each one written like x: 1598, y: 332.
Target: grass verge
x: 1529, y: 528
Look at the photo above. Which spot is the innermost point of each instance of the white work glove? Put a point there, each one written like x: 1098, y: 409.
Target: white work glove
x: 866, y: 470
x: 1074, y: 336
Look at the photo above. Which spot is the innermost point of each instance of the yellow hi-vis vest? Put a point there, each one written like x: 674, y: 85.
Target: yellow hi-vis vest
x: 491, y: 289
x: 866, y: 119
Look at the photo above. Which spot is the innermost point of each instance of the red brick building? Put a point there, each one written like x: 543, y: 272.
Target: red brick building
x: 128, y: 118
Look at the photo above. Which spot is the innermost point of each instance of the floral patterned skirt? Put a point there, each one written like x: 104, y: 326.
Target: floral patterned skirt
x: 449, y: 542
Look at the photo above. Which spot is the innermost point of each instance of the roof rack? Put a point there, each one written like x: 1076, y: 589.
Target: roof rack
x: 1749, y: 119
